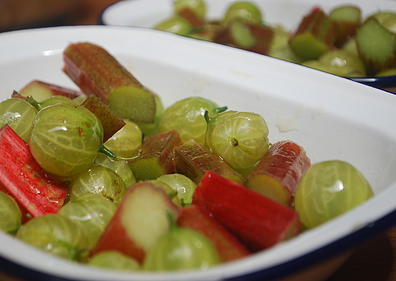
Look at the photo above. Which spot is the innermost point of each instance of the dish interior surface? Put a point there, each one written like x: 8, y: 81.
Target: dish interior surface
x: 331, y: 117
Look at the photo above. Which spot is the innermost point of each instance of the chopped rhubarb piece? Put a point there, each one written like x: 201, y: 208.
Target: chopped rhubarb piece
x: 264, y: 36
x: 279, y: 172
x: 194, y: 159
x: 95, y: 70
x: 252, y: 37
x: 347, y: 18
x: 255, y: 219
x: 41, y: 91
x: 191, y: 17
x: 315, y: 35
x: 98, y: 73
x: 227, y: 245
x: 157, y: 156
x: 140, y: 220
x: 208, y: 31
x: 133, y: 103
x: 22, y: 177
x: 110, y: 122
x: 376, y: 46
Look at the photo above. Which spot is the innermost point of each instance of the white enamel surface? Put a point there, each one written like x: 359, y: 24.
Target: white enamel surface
x: 331, y: 117
x: 288, y: 13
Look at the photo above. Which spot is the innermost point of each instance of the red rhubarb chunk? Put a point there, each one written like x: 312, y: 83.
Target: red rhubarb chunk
x: 257, y: 220
x: 53, y: 89
x: 281, y: 168
x: 22, y: 177
x: 139, y: 221
x: 191, y: 17
x: 286, y: 161
x: 116, y: 238
x: 95, y: 70
x: 227, y: 245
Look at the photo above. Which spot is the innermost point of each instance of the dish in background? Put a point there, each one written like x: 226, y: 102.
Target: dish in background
x: 147, y: 13
x: 320, y: 116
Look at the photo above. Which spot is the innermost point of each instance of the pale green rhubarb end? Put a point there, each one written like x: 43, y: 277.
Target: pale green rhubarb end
x: 315, y: 35
x: 376, y: 46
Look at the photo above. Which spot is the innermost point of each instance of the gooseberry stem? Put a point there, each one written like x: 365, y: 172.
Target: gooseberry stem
x: 107, y: 151
x: 33, y: 102
x: 220, y: 109
x: 206, y: 116
x: 216, y: 111
x: 172, y: 221
x: 103, y: 149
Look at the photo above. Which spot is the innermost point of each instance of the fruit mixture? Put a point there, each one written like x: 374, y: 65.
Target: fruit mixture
x: 106, y: 176
x: 340, y: 42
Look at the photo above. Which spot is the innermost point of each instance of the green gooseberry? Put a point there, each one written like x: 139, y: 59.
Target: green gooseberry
x: 91, y: 212
x: 114, y: 260
x: 57, y: 100
x: 10, y: 214
x: 329, y: 189
x: 65, y: 139
x: 243, y: 10
x: 98, y: 180
x: 55, y: 234
x: 19, y: 115
x: 175, y: 24
x: 179, y: 250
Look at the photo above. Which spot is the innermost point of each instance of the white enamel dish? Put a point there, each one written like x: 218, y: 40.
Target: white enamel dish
x: 331, y: 117
x: 288, y: 13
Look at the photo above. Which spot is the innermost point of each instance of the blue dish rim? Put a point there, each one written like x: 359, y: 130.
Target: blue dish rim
x: 377, y: 82
x: 281, y: 270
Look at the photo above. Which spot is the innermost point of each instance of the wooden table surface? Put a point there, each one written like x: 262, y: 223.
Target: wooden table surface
x: 374, y: 260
